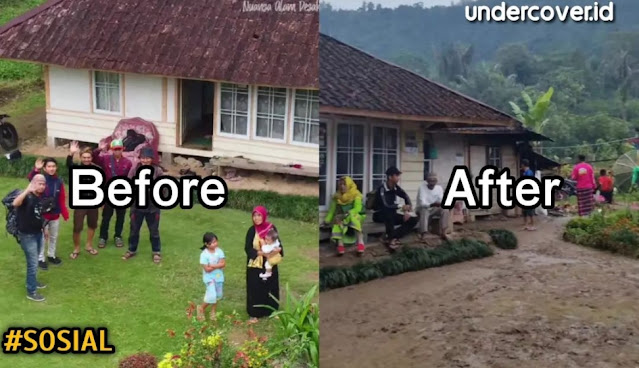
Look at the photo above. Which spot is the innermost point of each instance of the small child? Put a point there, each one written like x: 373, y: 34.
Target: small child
x: 212, y: 261
x: 271, y: 243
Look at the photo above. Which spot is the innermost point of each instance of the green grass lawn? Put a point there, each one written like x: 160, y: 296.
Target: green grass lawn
x: 137, y: 300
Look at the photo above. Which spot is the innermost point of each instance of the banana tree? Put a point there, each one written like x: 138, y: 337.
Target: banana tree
x: 534, y: 118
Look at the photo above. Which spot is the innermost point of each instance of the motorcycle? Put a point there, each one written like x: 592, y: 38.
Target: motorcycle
x: 568, y: 189
x: 8, y: 134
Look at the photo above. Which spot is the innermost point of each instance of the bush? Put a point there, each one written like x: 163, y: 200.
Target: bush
x: 279, y: 205
x: 298, y: 325
x: 208, y: 345
x: 504, y: 239
x: 616, y: 232
x: 406, y: 260
x: 140, y: 360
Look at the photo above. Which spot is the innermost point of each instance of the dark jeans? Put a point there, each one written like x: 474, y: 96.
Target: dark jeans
x: 607, y: 196
x: 31, y: 245
x: 107, y: 213
x: 393, y: 219
x: 152, y: 221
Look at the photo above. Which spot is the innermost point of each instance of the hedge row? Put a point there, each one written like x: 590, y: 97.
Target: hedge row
x: 405, y: 260
x: 301, y: 208
x: 504, y: 239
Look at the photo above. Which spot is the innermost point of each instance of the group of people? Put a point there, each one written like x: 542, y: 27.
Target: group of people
x: 587, y: 186
x: 113, y: 165
x: 263, y: 254
x: 347, y: 211
x: 38, y: 226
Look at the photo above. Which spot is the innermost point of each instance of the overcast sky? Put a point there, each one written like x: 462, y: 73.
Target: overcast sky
x: 354, y: 4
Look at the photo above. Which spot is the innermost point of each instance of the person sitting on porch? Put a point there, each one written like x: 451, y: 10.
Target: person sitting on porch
x: 386, y: 209
x: 429, y: 201
x: 347, y: 215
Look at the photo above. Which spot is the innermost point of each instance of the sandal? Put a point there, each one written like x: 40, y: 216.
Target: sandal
x: 128, y: 255
x: 394, y: 244
x: 91, y: 251
x: 157, y: 258
x: 74, y: 255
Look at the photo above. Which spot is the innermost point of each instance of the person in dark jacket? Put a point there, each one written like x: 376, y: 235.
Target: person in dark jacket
x: 113, y: 165
x: 386, y: 209
x: 151, y: 214
x: 48, y: 167
x: 30, y: 227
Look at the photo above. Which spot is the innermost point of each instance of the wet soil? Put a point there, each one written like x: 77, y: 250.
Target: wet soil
x: 546, y: 304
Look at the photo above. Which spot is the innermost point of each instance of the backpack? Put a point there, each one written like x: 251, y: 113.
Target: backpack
x: 370, y: 200
x: 12, y: 215
x: 132, y: 140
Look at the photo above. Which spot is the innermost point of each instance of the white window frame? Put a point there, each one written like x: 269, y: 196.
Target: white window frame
x: 501, y: 156
x: 249, y: 112
x: 365, y: 174
x: 255, y: 116
x: 424, y: 160
x: 94, y: 92
x: 292, y: 129
x: 330, y: 174
x: 370, y: 133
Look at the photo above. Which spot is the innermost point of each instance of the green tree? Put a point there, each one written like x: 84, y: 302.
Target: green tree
x: 534, y: 117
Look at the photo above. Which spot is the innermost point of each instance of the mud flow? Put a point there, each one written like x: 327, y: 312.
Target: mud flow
x: 546, y: 304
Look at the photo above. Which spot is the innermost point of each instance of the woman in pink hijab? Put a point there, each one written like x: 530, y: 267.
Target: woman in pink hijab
x: 586, y: 186
x: 258, y: 290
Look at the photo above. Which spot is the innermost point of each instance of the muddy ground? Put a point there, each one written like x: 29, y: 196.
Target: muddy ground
x: 547, y: 304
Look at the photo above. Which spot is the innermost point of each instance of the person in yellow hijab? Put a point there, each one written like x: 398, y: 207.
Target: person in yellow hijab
x: 347, y: 214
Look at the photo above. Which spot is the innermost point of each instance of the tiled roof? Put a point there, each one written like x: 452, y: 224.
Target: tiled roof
x: 353, y: 79
x: 200, y: 39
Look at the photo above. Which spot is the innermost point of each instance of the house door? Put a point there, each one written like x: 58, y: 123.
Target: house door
x: 477, y: 162
x: 196, y: 114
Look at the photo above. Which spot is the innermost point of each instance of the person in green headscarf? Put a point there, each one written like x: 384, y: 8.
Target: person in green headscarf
x: 347, y: 215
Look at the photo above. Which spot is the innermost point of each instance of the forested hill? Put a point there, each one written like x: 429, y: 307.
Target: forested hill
x: 592, y: 67
x: 424, y: 31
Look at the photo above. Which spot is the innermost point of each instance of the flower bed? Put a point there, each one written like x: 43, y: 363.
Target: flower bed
x: 294, y: 343
x: 616, y: 232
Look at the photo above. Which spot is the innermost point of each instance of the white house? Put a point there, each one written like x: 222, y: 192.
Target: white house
x: 374, y: 115
x: 214, y: 79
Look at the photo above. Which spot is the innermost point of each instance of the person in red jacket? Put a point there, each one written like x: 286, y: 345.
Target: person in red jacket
x: 606, y: 185
x: 54, y: 188
x: 113, y: 165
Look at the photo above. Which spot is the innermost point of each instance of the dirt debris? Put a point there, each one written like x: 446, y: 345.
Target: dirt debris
x: 546, y: 304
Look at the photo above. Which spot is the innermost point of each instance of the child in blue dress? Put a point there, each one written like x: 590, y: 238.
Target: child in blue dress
x: 213, y: 262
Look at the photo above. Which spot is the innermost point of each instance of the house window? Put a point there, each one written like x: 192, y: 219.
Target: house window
x: 306, y: 117
x: 350, y: 153
x: 385, y: 153
x: 322, y: 164
x: 427, y: 158
x: 107, y: 92
x: 234, y: 109
x: 494, y: 156
x: 271, y: 112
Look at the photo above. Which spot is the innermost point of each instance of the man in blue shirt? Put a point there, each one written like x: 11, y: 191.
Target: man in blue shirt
x: 528, y: 213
